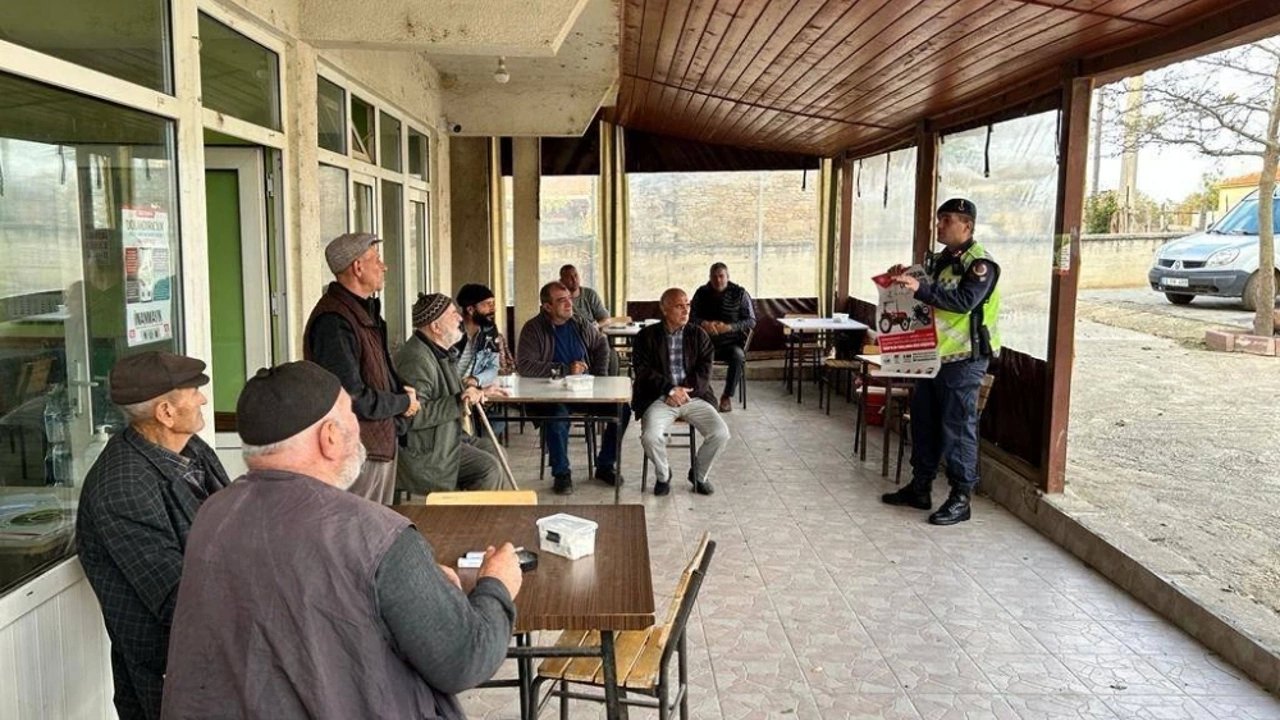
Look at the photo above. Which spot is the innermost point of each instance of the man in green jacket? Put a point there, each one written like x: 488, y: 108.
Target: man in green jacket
x: 439, y: 454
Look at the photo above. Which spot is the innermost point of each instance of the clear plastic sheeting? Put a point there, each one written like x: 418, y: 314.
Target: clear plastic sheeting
x: 1010, y: 172
x: 762, y: 224
x: 884, y: 188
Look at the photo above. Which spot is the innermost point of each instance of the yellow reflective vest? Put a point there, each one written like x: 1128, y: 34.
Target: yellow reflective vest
x: 974, y: 334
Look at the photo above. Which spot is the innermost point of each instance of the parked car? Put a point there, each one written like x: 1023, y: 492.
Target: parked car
x: 1221, y: 261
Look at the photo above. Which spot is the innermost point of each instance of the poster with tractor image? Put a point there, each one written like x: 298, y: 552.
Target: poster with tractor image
x: 908, y: 338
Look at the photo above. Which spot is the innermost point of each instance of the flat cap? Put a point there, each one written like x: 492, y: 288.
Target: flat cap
x: 280, y: 402
x: 141, y: 377
x: 344, y: 249
x: 959, y: 206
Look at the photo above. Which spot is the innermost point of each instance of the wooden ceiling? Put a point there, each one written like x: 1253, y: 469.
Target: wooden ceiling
x: 825, y: 76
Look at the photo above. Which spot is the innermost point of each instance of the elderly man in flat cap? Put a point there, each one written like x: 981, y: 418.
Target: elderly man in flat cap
x: 138, y: 503
x: 439, y: 454
x: 347, y: 336
x: 300, y: 600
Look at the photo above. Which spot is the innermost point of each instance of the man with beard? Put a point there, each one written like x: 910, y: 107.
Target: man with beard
x: 438, y: 453
x: 482, y: 349
x: 302, y: 600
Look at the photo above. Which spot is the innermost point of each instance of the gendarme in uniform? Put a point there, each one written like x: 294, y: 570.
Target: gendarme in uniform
x: 962, y: 288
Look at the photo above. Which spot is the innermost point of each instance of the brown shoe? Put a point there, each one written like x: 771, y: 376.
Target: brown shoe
x: 726, y: 404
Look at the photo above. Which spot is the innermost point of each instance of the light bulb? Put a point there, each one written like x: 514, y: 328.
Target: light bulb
x: 501, y: 76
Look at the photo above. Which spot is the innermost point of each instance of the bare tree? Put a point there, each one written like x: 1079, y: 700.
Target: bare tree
x: 1224, y: 105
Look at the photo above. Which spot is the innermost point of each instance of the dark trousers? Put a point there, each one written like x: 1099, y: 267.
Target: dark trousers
x: 558, y: 438
x: 735, y: 358
x: 944, y: 425
x: 137, y: 690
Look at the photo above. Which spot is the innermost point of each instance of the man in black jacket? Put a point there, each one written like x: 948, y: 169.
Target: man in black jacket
x: 138, y: 503
x: 672, y: 362
x: 347, y: 336
x: 725, y: 311
x: 556, y: 342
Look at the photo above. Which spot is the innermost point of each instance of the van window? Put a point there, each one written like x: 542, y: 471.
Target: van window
x: 1243, y: 218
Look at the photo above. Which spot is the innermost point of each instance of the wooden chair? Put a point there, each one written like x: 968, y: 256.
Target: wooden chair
x: 692, y: 444
x: 642, y: 657
x: 904, y: 426
x: 483, y: 497
x: 833, y: 369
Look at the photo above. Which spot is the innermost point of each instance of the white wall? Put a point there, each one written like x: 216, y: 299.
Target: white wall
x: 54, y: 652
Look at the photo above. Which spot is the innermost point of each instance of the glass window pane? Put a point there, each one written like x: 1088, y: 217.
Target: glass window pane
x: 389, y: 132
x: 363, y: 221
x: 331, y: 106
x: 333, y: 202
x: 418, y: 236
x: 567, y: 230
x: 393, y: 291
x: 419, y: 155
x: 1015, y: 202
x: 238, y: 76
x: 88, y: 211
x: 362, y: 147
x: 128, y: 39
x: 763, y: 225
x: 883, y: 218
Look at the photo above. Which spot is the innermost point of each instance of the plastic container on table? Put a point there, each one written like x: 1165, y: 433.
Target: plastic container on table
x: 567, y: 535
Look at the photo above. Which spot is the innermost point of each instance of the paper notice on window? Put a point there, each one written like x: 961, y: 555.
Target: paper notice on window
x: 908, y: 338
x: 148, y: 275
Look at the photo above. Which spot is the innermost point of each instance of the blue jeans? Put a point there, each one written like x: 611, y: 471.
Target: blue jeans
x: 944, y: 425
x: 558, y: 437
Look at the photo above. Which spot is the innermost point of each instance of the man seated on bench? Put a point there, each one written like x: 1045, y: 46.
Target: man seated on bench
x: 672, y: 361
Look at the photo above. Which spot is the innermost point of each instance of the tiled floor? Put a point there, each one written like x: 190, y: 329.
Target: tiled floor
x: 823, y: 603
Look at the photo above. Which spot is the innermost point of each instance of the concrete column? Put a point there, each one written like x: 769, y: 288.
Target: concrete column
x: 307, y: 272
x: 469, y: 212
x: 526, y: 168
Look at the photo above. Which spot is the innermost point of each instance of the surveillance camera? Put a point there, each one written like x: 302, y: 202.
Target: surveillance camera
x: 453, y: 127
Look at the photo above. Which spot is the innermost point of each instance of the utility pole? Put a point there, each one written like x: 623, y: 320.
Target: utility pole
x: 1128, y: 196
x: 1095, y: 187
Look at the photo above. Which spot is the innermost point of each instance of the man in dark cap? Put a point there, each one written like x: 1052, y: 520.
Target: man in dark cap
x: 348, y: 337
x: 138, y: 503
x: 482, y: 351
x: 962, y: 288
x: 302, y: 600
x: 438, y: 453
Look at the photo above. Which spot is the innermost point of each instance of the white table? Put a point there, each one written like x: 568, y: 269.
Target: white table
x: 800, y: 329
x: 628, y: 330
x: 602, y: 402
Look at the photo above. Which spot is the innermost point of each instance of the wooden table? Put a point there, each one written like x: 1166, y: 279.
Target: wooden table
x: 802, y: 327
x: 609, y: 591
x: 602, y: 402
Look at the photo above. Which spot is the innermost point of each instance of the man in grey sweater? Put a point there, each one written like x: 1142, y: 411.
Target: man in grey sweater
x: 301, y: 600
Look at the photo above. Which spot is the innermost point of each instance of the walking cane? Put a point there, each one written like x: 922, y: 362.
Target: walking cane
x: 502, y: 455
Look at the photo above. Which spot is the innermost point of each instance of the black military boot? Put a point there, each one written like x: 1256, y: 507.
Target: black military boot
x: 954, y: 510
x: 910, y: 497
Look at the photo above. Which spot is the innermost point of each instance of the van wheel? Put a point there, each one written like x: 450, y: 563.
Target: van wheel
x: 1179, y: 298
x: 1251, y: 291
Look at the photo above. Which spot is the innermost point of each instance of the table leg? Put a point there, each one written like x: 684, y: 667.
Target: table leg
x: 888, y: 427
x: 862, y: 413
x: 524, y: 666
x: 617, y: 459
x: 608, y: 662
